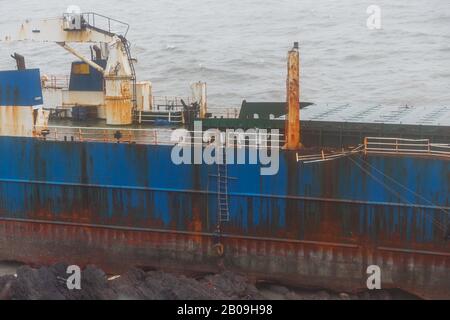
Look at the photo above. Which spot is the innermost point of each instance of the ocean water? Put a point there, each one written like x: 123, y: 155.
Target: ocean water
x: 239, y: 47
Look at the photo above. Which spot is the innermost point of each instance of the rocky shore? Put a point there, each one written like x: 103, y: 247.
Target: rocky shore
x: 51, y: 283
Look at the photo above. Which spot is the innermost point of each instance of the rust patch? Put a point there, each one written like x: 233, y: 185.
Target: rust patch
x: 293, y: 97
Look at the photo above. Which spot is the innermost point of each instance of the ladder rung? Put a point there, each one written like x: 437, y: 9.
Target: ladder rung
x: 222, y: 189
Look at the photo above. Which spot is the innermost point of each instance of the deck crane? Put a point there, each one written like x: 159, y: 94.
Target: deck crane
x: 77, y: 27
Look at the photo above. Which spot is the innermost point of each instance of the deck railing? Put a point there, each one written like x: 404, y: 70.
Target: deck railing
x: 108, y: 24
x: 165, y: 103
x: 405, y: 146
x: 56, y: 81
x: 383, y: 145
x: 159, y: 136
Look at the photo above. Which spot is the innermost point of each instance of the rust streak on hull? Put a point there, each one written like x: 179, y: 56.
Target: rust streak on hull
x: 303, y: 263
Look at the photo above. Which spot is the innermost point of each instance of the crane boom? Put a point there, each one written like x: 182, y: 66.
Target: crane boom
x: 56, y: 30
x: 119, y: 74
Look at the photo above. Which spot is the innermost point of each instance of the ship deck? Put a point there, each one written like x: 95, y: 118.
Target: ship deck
x: 381, y: 114
x: 323, y: 126
x: 341, y: 125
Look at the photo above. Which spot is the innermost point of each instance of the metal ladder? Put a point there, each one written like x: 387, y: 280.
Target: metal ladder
x: 102, y: 23
x: 222, y: 189
x: 126, y: 45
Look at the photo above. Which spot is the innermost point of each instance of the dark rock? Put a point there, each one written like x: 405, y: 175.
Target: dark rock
x: 34, y: 284
x: 344, y: 296
x: 51, y: 283
x: 232, y: 285
x: 292, y: 296
x: 323, y: 295
x: 278, y: 289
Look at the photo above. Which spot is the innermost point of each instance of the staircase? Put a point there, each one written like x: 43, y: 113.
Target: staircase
x: 222, y: 189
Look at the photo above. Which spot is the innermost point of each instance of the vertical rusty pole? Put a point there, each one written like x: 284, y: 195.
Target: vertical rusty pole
x: 292, y: 125
x: 199, y: 95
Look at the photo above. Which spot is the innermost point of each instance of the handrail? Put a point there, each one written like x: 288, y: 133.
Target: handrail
x: 321, y: 157
x: 55, y: 81
x: 159, y: 136
x: 169, y: 102
x: 405, y: 146
x: 89, y: 17
x: 384, y: 145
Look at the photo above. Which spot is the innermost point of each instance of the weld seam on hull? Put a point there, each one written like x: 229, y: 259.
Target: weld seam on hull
x: 189, y: 233
x: 236, y: 194
x: 410, y: 251
x: 228, y: 236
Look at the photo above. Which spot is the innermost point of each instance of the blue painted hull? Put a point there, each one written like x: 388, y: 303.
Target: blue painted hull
x: 122, y: 205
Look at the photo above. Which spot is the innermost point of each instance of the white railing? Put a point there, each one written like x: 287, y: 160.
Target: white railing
x: 169, y: 116
x: 405, y: 146
x: 226, y: 112
x: 383, y: 145
x: 125, y: 135
x: 159, y: 136
x: 55, y: 81
x: 169, y: 103
x: 323, y: 156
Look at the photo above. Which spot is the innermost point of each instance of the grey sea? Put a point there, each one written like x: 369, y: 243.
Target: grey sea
x: 239, y: 47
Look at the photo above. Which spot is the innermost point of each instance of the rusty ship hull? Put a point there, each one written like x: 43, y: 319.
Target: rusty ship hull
x: 318, y: 225
x: 355, y: 186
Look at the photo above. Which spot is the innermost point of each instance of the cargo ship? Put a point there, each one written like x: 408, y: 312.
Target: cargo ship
x: 88, y: 176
